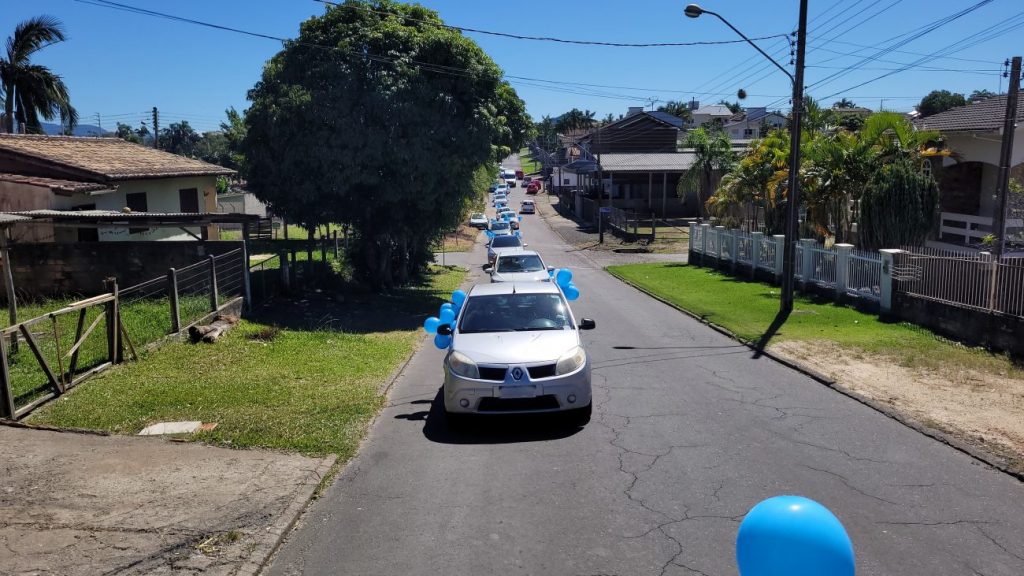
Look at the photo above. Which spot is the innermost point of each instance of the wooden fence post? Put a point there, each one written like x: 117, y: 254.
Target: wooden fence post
x: 7, y: 405
x: 323, y: 249
x: 214, y: 303
x: 114, y: 353
x: 286, y: 278
x: 335, y: 234
x: 172, y: 297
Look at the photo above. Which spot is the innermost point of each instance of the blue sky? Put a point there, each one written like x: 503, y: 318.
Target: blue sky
x: 121, y: 64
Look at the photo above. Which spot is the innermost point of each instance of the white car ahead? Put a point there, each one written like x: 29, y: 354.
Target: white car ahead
x: 527, y: 207
x: 500, y: 244
x: 519, y: 266
x: 516, y: 348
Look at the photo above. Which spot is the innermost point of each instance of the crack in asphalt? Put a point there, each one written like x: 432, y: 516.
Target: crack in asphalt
x: 846, y: 482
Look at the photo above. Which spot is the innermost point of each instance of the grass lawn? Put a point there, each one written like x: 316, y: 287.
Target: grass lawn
x: 272, y: 382
x: 530, y: 166
x: 462, y: 240
x: 748, y: 309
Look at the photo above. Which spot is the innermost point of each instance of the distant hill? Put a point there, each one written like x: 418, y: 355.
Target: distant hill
x: 80, y: 130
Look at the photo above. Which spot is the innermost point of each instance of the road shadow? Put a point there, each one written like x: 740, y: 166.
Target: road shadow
x: 352, y: 308
x: 780, y: 318
x: 490, y: 428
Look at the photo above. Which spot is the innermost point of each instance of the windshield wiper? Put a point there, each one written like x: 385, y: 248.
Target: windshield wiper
x: 537, y: 329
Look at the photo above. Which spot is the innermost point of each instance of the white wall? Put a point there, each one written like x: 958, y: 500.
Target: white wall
x: 161, y: 196
x: 985, y: 148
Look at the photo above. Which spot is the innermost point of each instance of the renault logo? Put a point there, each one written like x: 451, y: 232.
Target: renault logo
x: 517, y: 373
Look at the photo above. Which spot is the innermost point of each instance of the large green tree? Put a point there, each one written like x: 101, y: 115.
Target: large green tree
x: 30, y: 91
x: 713, y: 156
x: 180, y: 138
x: 380, y: 117
x: 939, y: 101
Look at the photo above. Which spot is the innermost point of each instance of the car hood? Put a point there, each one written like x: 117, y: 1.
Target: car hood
x: 516, y: 347
x: 538, y: 276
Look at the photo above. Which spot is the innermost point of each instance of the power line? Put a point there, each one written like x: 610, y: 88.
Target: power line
x: 547, y: 38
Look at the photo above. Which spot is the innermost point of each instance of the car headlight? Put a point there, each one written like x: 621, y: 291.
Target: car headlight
x: 461, y: 365
x: 571, y: 361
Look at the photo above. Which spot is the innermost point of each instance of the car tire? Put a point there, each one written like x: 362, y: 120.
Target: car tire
x: 581, y: 416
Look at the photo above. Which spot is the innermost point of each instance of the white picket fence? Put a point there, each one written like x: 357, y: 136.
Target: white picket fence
x: 841, y: 268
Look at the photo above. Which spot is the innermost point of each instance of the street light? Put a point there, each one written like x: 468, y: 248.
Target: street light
x: 792, y: 206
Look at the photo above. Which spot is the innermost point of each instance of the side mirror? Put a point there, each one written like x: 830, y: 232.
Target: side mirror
x: 446, y: 329
x: 551, y: 268
x: 585, y: 324
x: 525, y: 244
x: 488, y: 270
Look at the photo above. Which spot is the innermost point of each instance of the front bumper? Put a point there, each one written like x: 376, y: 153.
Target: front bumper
x: 512, y: 396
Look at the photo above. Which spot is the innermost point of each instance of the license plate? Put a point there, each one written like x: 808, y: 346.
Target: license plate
x: 526, y: 391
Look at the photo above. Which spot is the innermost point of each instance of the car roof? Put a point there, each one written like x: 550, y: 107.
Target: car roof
x: 518, y: 252
x: 499, y: 288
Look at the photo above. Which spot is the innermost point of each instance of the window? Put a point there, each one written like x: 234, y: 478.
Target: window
x: 565, y: 180
x: 926, y: 167
x: 506, y: 241
x: 520, y: 263
x: 136, y: 202
x: 748, y: 133
x: 189, y: 200
x: 514, y: 313
x: 88, y: 234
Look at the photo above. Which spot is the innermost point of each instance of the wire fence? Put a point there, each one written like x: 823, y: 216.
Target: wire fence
x: 864, y: 275
x: 823, y: 266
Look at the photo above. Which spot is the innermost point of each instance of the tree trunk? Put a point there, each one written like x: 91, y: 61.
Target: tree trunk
x: 212, y: 332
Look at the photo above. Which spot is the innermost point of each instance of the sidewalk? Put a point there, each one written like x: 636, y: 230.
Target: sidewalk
x: 84, y: 504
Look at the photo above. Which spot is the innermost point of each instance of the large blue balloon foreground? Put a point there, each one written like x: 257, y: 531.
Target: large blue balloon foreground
x: 793, y: 536
x: 447, y: 314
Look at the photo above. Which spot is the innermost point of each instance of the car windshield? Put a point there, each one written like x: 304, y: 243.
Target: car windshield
x: 515, y: 313
x: 476, y: 216
x: 499, y: 225
x: 505, y: 241
x: 520, y: 263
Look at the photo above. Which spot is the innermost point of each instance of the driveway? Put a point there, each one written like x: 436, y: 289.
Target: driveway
x: 689, y: 432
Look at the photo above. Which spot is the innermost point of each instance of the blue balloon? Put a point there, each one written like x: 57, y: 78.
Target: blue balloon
x: 431, y: 324
x: 571, y: 292
x: 551, y: 273
x: 795, y: 536
x: 564, y: 277
x: 458, y: 297
x: 442, y: 341
x: 489, y: 233
x: 447, y: 316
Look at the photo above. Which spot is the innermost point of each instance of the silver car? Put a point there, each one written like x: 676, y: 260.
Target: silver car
x: 519, y: 266
x: 500, y: 244
x: 516, y: 348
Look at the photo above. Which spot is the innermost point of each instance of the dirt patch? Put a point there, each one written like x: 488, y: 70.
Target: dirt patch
x: 83, y: 504
x: 979, y: 408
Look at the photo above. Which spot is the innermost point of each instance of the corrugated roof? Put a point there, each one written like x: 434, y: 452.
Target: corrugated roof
x: 666, y: 117
x: 105, y: 158
x: 11, y: 218
x: 984, y: 116
x: 713, y: 110
x: 54, y: 184
x: 647, y: 162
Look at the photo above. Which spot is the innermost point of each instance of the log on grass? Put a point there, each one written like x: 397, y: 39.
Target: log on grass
x: 213, y: 331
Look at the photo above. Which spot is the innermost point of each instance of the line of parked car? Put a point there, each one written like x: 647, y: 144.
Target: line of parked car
x: 515, y: 343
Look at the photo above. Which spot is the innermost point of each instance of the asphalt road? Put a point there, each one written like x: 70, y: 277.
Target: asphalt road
x: 689, y: 432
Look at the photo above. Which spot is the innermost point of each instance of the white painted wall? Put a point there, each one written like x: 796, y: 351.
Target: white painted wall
x: 973, y: 147
x: 161, y: 196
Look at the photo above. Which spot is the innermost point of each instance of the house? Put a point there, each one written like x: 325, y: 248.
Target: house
x: 753, y: 123
x: 968, y: 180
x: 637, y: 132
x: 709, y: 114
x: 76, y: 173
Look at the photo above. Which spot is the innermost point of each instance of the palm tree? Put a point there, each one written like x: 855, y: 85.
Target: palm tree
x: 712, y: 155
x: 31, y: 91
x: 844, y: 103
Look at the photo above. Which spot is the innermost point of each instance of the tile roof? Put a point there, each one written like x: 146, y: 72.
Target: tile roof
x: 984, y: 116
x: 105, y: 158
x: 647, y: 162
x: 54, y: 184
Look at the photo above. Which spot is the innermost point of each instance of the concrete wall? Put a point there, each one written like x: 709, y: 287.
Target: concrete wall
x: 79, y: 268
x: 16, y: 197
x: 245, y: 203
x: 995, y: 331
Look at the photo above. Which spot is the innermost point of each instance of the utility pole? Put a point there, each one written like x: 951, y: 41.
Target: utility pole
x: 156, y: 128
x: 99, y: 122
x: 793, y: 203
x: 1006, y: 154
x: 600, y: 190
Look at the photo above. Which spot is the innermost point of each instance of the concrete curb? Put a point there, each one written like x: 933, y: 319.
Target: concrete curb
x: 276, y: 532
x: 983, y: 456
